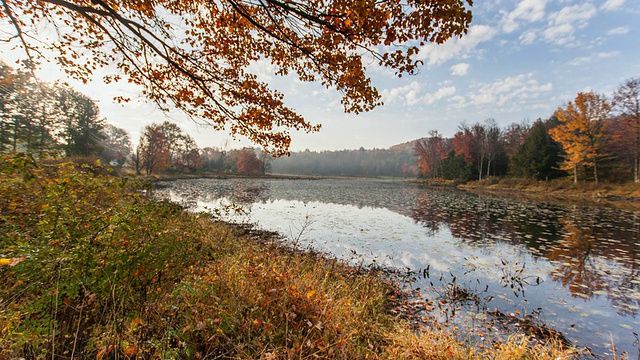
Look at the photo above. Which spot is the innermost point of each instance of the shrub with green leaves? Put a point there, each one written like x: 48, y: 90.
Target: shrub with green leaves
x: 88, y: 251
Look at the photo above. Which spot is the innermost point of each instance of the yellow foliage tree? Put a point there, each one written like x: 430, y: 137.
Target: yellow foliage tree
x: 196, y: 55
x: 581, y: 131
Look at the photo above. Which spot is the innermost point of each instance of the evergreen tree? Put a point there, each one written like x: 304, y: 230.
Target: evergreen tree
x: 538, y: 157
x: 82, y: 128
x: 454, y: 167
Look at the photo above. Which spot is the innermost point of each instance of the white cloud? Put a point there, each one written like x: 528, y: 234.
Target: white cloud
x: 563, y: 23
x: 459, y: 69
x: 502, y: 91
x: 595, y: 57
x: 440, y: 94
x: 528, y: 37
x: 264, y: 69
x: 527, y: 10
x: 401, y: 94
x: 573, y: 14
x: 457, y: 47
x: 611, y: 5
x: 410, y: 94
x: 621, y: 30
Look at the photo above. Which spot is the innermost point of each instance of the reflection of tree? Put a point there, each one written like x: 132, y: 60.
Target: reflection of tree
x: 473, y: 221
x: 575, y: 252
x: 624, y: 301
x: 584, y: 246
x: 247, y: 193
x: 428, y: 215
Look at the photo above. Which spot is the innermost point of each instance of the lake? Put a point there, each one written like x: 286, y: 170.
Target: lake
x: 478, y: 264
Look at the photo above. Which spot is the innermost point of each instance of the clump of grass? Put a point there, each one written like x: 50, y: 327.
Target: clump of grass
x: 91, y: 268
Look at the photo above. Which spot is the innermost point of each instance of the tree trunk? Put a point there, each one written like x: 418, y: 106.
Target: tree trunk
x: 488, y: 167
x: 29, y: 145
x: 15, y: 135
x: 575, y: 174
x: 595, y: 170
x: 636, y: 164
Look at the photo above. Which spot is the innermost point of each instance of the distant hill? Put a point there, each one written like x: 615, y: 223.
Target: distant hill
x: 406, y: 146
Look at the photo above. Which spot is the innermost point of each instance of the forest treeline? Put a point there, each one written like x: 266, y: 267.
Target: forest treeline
x: 594, y: 137
x: 56, y: 120
x: 398, y: 161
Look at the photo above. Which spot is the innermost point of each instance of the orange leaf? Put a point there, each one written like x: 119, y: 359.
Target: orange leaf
x: 135, y: 322
x: 311, y: 294
x: 130, y: 350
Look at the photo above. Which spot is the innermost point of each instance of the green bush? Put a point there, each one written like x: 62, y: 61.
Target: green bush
x: 88, y: 251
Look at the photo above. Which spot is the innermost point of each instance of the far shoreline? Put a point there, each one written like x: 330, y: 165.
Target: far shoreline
x: 625, y: 195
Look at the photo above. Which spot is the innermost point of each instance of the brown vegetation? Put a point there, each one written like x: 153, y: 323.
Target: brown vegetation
x: 92, y: 269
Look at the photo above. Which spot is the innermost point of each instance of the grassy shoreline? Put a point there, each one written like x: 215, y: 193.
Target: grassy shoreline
x: 619, y: 195
x: 92, y: 268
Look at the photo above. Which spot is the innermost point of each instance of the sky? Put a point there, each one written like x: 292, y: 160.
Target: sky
x: 519, y: 61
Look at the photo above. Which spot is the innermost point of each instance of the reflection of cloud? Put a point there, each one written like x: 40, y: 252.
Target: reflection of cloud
x: 459, y: 69
x: 563, y: 23
x: 527, y: 10
x: 457, y: 47
x: 611, y: 5
x: 595, y: 57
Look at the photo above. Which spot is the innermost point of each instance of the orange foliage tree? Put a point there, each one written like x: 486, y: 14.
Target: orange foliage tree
x: 463, y: 142
x: 430, y: 153
x: 248, y: 162
x: 153, y: 150
x: 581, y: 131
x: 196, y: 56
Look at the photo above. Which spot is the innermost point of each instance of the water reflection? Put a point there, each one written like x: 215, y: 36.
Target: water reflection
x: 583, y: 260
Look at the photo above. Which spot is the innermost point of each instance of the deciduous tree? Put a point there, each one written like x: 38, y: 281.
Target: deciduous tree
x: 430, y: 152
x: 187, y: 154
x: 514, y: 135
x: 463, y: 142
x: 248, y: 162
x: 265, y: 162
x: 479, y: 146
x: 153, y: 150
x: 493, y: 143
x: 81, y: 125
x: 581, y: 131
x: 627, y: 101
x: 116, y: 144
x: 196, y: 56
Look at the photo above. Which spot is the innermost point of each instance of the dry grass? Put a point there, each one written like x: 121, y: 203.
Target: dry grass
x: 625, y: 195
x: 100, y: 272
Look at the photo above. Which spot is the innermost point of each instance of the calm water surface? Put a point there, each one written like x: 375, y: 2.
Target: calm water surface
x: 573, y: 267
